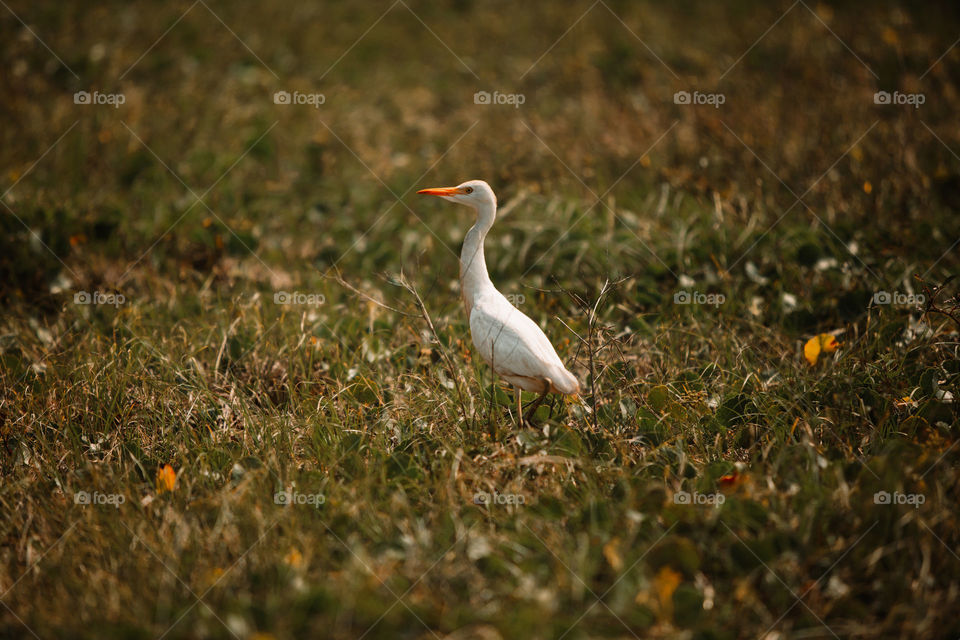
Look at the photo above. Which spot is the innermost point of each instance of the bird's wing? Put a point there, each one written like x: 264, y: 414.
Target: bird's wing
x: 512, y: 343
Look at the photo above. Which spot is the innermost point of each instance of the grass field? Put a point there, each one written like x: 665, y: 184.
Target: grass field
x: 238, y: 394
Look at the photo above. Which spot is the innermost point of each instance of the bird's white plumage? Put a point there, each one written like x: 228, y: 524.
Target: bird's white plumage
x: 510, y: 342
x: 516, y: 348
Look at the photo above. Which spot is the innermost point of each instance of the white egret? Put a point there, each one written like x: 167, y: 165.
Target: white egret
x: 511, y: 343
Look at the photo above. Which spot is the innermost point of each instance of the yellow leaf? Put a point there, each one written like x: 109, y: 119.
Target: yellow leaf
x: 828, y: 343
x: 294, y: 559
x: 666, y: 582
x: 166, y: 478
x: 811, y: 350
x: 867, y: 187
x: 213, y: 576
x: 823, y: 343
x: 612, y: 554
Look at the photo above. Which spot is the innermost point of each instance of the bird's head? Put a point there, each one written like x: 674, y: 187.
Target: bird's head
x: 473, y: 193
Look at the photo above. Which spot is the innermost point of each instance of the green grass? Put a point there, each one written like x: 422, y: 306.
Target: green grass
x: 372, y: 409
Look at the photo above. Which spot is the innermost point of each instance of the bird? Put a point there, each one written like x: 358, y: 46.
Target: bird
x: 511, y: 343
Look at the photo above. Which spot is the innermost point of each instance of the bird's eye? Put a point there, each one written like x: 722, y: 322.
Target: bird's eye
x: 468, y: 190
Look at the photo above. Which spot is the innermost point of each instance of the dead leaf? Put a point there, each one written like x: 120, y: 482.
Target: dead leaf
x: 294, y: 559
x: 612, y: 554
x: 823, y: 343
x: 730, y: 479
x: 666, y: 582
x: 166, y: 478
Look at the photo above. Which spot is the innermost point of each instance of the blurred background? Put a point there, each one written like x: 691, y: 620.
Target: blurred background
x: 288, y: 186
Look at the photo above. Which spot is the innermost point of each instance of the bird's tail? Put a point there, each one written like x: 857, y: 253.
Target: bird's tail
x: 564, y: 382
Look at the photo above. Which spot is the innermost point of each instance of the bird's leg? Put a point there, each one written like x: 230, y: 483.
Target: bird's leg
x: 535, y: 405
x: 517, y: 393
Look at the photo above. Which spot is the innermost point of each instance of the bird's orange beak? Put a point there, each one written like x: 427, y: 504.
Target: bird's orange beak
x: 441, y: 191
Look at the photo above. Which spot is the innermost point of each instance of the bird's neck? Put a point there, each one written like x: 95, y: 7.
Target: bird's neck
x: 474, y: 278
